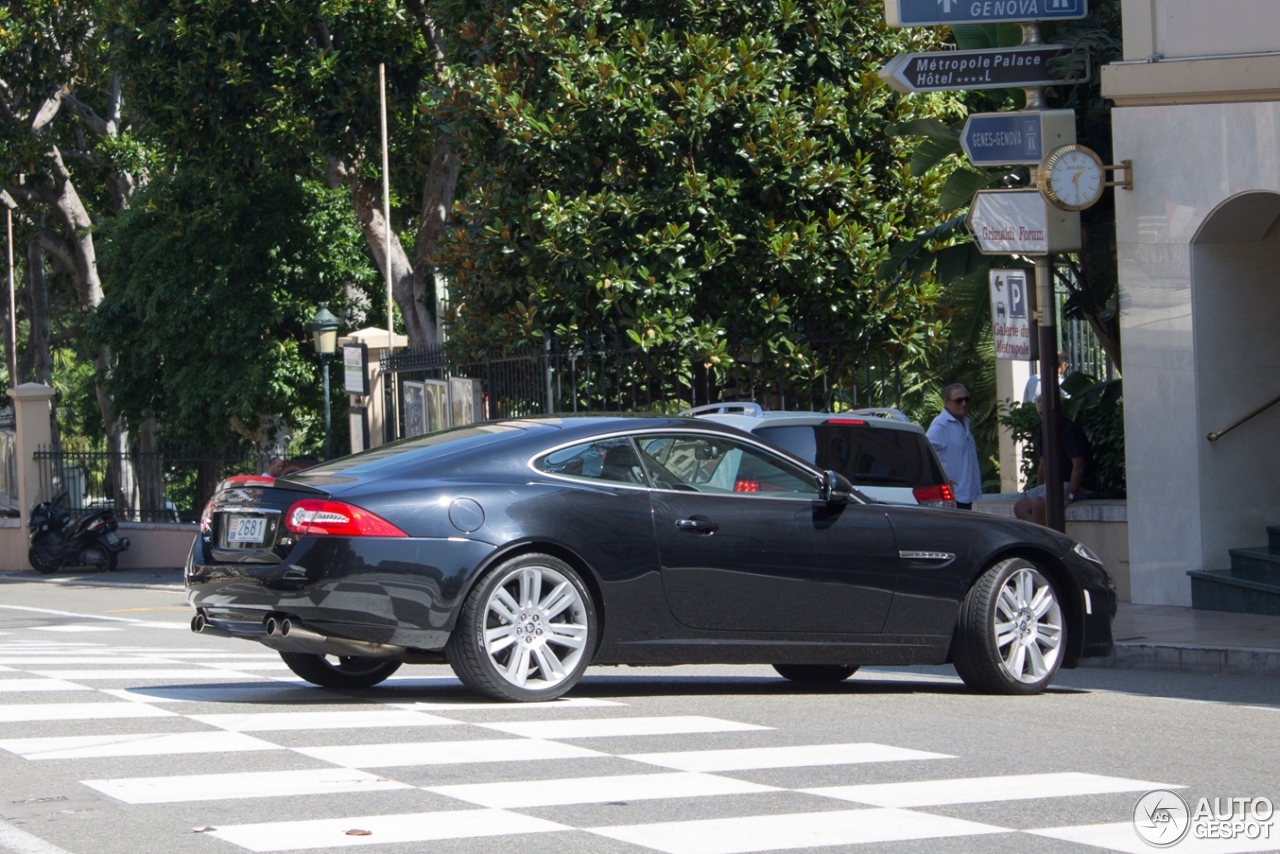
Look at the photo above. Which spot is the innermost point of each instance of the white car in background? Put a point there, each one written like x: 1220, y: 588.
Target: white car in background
x: 883, y: 453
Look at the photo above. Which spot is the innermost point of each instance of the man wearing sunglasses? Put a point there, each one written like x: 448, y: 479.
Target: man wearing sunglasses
x: 950, y: 436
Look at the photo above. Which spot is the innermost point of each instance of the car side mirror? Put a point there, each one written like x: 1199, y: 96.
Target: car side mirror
x: 834, y: 488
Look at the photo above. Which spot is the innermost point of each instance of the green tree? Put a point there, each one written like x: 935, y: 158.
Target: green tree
x: 713, y: 175
x: 67, y: 160
x: 211, y: 287
x: 292, y: 86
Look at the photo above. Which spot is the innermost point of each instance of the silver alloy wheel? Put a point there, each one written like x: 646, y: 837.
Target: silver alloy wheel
x: 535, y: 640
x: 1028, y: 626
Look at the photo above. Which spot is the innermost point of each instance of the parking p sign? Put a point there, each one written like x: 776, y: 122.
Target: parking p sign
x: 1010, y: 314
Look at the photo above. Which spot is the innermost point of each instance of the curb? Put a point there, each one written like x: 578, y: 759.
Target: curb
x: 1187, y: 658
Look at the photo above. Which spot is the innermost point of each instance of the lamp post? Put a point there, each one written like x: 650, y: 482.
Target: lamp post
x: 324, y: 334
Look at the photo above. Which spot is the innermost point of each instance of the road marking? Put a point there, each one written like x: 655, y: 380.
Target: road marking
x: 617, y: 727
x: 466, y: 703
x: 158, y: 673
x: 186, y: 608
x: 525, y: 794
x: 254, y: 691
x: 976, y: 790
x: 1121, y: 837
x: 249, y: 784
x: 78, y: 658
x: 797, y: 830
x: 269, y: 721
x: 133, y: 744
x: 384, y: 829
x: 800, y: 756
x: 20, y: 842
x: 445, y: 752
x: 73, y: 629
x: 78, y: 712
x: 40, y: 685
x: 143, y: 623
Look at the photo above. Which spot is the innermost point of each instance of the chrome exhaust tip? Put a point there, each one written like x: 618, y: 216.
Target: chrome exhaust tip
x: 198, y: 623
x: 285, y: 627
x: 272, y: 626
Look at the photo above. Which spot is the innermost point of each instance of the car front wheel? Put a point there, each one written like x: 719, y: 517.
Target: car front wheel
x: 525, y: 632
x: 1011, y: 637
x: 332, y: 671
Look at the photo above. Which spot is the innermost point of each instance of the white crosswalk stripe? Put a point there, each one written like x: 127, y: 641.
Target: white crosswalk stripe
x: 484, y: 770
x: 620, y: 727
x: 796, y: 830
x: 524, y: 794
x: 383, y: 829
x: 133, y: 744
x: 249, y: 784
x: 975, y: 790
x: 807, y: 755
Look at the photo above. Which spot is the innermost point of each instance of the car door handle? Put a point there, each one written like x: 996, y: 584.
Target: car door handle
x: 697, y: 526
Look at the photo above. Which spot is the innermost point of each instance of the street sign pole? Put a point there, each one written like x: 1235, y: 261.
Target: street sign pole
x: 1051, y: 409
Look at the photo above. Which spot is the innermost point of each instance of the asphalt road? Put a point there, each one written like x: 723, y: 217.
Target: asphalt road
x: 120, y: 731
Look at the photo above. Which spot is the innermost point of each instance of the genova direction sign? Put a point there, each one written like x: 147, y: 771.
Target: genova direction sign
x: 928, y: 13
x: 997, y: 68
x: 1018, y: 222
x: 1002, y: 139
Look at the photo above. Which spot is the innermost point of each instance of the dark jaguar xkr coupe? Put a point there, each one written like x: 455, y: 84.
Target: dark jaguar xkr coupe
x: 522, y: 551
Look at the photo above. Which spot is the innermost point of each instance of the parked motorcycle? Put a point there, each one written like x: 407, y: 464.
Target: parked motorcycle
x: 56, y: 542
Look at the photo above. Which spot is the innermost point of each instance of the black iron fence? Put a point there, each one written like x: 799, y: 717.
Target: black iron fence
x: 159, y: 487
x: 818, y: 375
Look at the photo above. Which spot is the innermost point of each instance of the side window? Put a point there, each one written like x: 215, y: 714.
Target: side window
x: 701, y: 463
x: 607, y: 459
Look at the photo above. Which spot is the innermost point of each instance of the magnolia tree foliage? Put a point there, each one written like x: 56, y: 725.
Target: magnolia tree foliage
x: 709, y: 174
x: 212, y: 285
x: 292, y: 85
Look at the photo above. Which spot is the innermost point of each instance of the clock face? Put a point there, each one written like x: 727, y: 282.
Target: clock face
x: 1076, y: 179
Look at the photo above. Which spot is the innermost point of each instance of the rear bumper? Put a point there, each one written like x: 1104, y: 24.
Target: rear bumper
x: 384, y: 590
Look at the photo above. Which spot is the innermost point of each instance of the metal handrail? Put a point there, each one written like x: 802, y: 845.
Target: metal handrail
x: 1213, y: 437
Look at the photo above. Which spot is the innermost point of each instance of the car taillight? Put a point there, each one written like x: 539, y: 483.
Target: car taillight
x: 317, y: 518
x: 206, y: 518
x: 857, y: 422
x: 940, y: 495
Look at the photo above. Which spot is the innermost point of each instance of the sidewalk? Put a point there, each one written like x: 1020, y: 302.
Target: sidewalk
x: 1182, y: 640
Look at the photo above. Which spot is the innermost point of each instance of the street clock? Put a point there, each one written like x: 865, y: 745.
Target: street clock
x: 1071, y: 177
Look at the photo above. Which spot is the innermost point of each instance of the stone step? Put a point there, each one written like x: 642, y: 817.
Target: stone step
x: 1273, y: 538
x: 1256, y: 565
x: 1223, y: 590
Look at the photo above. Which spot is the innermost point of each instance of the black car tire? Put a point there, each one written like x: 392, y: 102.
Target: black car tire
x: 469, y: 648
x: 830, y: 673
x: 977, y: 653
x: 349, y: 672
x: 39, y: 563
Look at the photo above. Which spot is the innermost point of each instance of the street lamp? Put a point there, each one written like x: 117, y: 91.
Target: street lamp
x: 324, y: 334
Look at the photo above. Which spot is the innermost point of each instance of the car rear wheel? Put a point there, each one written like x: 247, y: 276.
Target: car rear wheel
x: 816, y: 672
x: 334, y: 671
x: 525, y: 632
x: 1011, y: 637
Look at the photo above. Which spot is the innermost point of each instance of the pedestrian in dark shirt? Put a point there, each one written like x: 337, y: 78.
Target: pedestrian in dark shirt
x: 1076, y: 467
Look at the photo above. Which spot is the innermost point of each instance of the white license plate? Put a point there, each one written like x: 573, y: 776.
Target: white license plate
x: 246, y: 529
x: 112, y: 538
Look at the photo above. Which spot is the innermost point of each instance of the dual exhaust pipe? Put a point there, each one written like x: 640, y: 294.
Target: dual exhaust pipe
x: 284, y: 635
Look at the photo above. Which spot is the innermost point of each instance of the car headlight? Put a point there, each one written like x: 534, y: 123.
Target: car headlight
x: 1086, y: 553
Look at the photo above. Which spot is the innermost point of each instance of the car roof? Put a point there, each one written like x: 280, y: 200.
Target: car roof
x: 749, y: 417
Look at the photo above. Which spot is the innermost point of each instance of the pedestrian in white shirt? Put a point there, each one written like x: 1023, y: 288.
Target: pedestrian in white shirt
x: 950, y: 436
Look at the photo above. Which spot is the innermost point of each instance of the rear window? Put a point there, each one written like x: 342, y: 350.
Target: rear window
x: 868, y: 456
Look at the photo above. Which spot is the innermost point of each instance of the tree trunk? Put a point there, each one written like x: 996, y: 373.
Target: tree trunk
x: 413, y: 284
x: 38, y: 311
x: 150, y: 469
